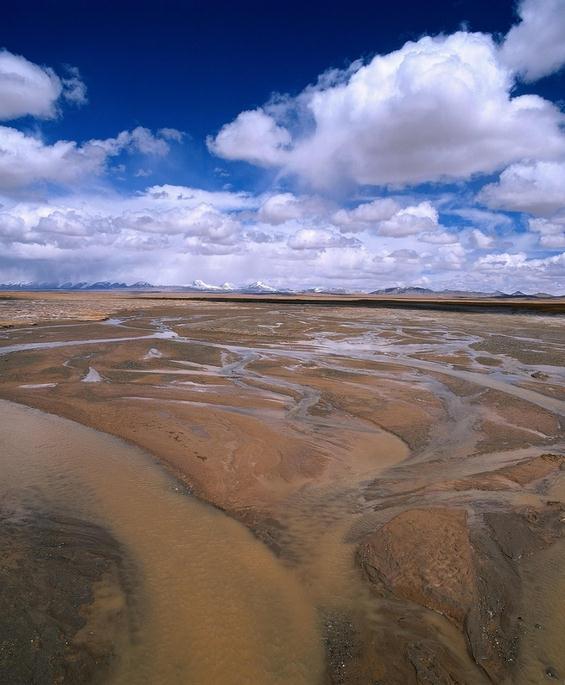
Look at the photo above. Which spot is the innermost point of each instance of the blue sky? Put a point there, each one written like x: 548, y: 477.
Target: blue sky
x: 301, y: 145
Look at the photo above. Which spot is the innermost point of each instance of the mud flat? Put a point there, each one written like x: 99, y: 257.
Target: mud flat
x: 309, y: 494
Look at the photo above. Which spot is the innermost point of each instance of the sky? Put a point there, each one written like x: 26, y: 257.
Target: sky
x: 401, y: 144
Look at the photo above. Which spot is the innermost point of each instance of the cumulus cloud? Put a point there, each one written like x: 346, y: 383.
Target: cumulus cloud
x: 536, y: 46
x: 365, y: 215
x: 319, y: 239
x: 548, y: 271
x: 551, y: 233
x: 533, y: 187
x: 11, y: 227
x: 419, y: 219
x: 252, y: 137
x: 437, y: 109
x: 173, y: 234
x: 68, y: 223
x: 143, y: 140
x: 204, y: 223
x: 481, y: 240
x: 26, y: 160
x: 29, y: 89
x: 281, y: 208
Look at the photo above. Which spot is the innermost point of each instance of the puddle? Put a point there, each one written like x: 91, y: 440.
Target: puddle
x: 152, y: 353
x: 33, y: 386
x: 92, y: 376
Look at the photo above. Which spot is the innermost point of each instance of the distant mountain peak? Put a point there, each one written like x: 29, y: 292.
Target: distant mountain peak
x: 410, y: 290
x: 207, y: 287
x: 259, y: 287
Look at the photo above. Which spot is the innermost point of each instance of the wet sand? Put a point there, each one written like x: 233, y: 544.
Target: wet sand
x: 387, y: 486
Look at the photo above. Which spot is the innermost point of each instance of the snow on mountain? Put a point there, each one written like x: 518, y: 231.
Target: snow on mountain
x: 318, y: 290
x: 414, y: 290
x: 81, y: 285
x: 201, y: 285
x: 256, y: 288
x: 207, y: 287
x: 259, y: 287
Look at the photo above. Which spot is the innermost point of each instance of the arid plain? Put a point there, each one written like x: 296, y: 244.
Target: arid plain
x: 262, y: 492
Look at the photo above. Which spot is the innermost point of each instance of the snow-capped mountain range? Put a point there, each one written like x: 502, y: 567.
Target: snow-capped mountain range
x: 80, y: 285
x: 196, y: 286
x: 255, y: 288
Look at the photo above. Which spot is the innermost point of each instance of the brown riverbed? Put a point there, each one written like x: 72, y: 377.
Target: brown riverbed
x: 388, y: 488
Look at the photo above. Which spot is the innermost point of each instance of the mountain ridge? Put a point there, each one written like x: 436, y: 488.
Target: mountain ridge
x: 256, y: 287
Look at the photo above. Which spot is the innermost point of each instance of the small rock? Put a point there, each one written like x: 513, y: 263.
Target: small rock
x: 551, y: 673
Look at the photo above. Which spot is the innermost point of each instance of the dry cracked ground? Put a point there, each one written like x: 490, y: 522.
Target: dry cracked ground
x: 402, y: 474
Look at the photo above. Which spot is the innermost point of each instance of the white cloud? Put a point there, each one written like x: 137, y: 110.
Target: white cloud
x: 551, y: 233
x: 365, y: 215
x: 437, y: 109
x: 69, y: 223
x: 26, y: 159
x: 421, y: 218
x: 533, y: 187
x: 319, y: 239
x: 548, y: 269
x: 280, y: 208
x: 203, y: 222
x: 29, y: 89
x: 483, y: 218
x: 142, y: 140
x: 169, y: 235
x: 440, y: 238
x: 172, y: 195
x: 481, y: 240
x: 536, y: 46
x: 252, y: 137
x: 446, y: 258
x: 11, y: 227
x: 171, y: 134
x: 502, y: 260
x: 212, y: 225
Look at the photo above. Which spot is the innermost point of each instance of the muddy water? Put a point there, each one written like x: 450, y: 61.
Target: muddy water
x: 215, y: 605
